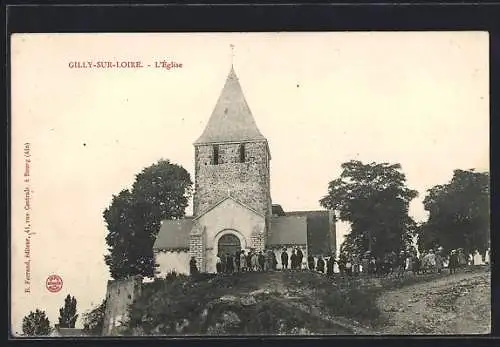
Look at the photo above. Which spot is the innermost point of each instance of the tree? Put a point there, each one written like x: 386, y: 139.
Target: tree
x: 459, y: 214
x: 160, y: 191
x: 375, y: 200
x: 93, y: 321
x: 36, y: 324
x: 67, y: 313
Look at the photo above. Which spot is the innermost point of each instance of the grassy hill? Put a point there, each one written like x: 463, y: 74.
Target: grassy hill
x: 265, y: 304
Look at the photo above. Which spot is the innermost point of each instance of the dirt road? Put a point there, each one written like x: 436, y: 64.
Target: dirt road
x: 453, y: 304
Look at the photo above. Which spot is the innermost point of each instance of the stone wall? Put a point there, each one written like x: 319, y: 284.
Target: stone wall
x: 169, y: 261
x: 120, y: 294
x: 197, y: 246
x: 229, y: 217
x: 248, y: 182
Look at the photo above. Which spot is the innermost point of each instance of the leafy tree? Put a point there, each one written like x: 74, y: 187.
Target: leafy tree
x: 93, y: 321
x: 459, y: 213
x: 67, y: 313
x: 374, y: 199
x: 36, y: 324
x: 160, y: 191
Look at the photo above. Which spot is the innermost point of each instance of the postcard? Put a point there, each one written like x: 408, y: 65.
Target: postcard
x: 187, y: 184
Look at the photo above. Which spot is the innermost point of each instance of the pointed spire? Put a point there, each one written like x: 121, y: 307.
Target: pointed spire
x: 231, y: 119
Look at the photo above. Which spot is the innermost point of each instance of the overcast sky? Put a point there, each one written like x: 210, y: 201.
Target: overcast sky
x: 321, y: 99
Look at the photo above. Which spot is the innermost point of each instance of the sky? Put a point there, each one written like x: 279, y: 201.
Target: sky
x: 420, y: 99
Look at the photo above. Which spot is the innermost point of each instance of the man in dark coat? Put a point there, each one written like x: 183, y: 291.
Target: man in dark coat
x: 229, y: 263
x: 284, y: 260
x: 262, y: 261
x: 320, y: 266
x: 193, y: 269
x: 453, y: 262
x: 274, y: 261
x: 300, y: 256
x: 294, y: 260
x: 310, y: 262
x: 237, y: 261
x: 249, y: 261
x: 330, y: 266
x: 218, y: 264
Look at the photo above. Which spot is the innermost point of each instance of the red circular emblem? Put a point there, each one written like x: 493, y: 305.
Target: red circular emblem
x: 54, y: 283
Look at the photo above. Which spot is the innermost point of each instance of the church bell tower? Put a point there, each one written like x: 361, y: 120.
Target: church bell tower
x: 232, y: 156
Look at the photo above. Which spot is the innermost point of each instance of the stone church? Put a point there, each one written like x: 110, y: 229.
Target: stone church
x: 232, y: 207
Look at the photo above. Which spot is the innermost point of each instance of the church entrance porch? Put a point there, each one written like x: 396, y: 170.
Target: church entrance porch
x: 228, y: 244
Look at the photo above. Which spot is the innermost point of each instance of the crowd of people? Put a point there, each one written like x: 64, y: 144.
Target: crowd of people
x: 252, y: 260
x: 429, y: 261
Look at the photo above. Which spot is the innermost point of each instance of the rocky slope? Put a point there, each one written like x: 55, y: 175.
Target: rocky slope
x: 453, y: 304
x: 305, y: 303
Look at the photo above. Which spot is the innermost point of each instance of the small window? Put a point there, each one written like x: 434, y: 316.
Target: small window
x: 242, y: 153
x: 129, y: 296
x: 215, y: 159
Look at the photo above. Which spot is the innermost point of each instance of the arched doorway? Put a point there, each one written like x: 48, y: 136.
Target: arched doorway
x: 229, y: 243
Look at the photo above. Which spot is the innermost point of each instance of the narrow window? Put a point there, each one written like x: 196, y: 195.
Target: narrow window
x: 242, y: 153
x: 215, y: 155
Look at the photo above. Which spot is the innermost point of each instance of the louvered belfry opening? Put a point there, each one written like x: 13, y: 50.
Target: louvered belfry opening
x: 215, y: 155
x: 242, y: 153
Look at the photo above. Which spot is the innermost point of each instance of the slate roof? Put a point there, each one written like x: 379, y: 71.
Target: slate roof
x: 174, y: 234
x: 231, y: 119
x: 288, y: 230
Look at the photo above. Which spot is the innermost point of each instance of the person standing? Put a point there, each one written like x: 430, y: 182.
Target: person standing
x: 193, y: 268
x: 439, y: 260
x: 243, y: 261
x: 249, y: 260
x: 330, y: 264
x: 453, y: 262
x: 231, y: 263
x: 284, y: 259
x: 365, y: 262
x: 300, y: 257
x: 259, y: 262
x: 355, y: 265
x: 372, y: 266
x: 218, y: 264
x: 237, y: 261
x: 462, y: 261
x: 228, y: 263
x: 432, y: 260
x: 274, y: 261
x: 294, y: 259
x: 348, y: 267
x: 267, y: 261
x: 320, y: 266
x: 310, y: 262
x: 401, y: 264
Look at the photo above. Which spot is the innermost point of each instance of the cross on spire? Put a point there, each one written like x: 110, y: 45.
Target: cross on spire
x: 232, y: 53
